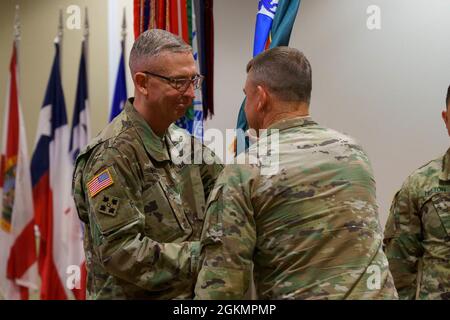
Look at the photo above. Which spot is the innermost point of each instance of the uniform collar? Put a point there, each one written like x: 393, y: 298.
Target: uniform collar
x: 304, y: 121
x: 293, y: 122
x: 154, y: 144
x: 445, y: 174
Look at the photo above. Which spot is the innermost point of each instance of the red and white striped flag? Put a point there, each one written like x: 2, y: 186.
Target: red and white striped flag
x: 18, y: 268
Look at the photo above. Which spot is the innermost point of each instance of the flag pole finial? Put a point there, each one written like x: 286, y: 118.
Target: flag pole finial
x: 60, y: 27
x: 124, y: 25
x: 86, y: 23
x: 17, y: 24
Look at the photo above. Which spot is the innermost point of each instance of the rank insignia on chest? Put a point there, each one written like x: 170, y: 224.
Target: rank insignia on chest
x: 100, y: 182
x: 109, y: 205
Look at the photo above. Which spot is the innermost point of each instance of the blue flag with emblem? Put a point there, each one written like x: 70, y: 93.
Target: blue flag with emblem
x: 264, y: 20
x: 120, y: 90
x: 274, y: 22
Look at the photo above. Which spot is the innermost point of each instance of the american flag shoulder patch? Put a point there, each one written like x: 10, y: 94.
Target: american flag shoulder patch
x: 100, y: 182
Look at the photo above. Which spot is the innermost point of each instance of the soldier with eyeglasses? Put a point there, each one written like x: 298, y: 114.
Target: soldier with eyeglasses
x: 143, y: 211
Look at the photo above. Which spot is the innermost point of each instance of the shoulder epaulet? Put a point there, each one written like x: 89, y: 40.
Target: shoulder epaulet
x: 111, y: 131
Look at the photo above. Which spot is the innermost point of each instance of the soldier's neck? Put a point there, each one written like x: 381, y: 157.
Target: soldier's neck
x: 155, y: 122
x: 274, y: 117
x: 158, y: 127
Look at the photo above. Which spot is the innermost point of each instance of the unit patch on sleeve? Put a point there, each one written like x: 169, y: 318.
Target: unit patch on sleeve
x: 109, y: 206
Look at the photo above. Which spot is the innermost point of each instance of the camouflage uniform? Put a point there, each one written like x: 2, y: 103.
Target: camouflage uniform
x: 142, y: 212
x: 311, y: 230
x: 417, y: 235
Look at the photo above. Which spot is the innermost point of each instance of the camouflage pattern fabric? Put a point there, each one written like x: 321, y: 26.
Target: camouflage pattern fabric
x: 142, y: 213
x: 311, y: 230
x: 417, y: 234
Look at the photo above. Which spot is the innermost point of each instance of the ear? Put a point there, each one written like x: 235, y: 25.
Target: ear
x: 140, y: 81
x: 445, y: 117
x: 262, y: 97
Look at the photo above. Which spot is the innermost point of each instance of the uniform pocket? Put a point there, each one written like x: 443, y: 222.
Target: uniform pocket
x: 164, y: 218
x: 441, y: 203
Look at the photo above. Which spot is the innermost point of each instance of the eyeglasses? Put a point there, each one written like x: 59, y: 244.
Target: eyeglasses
x: 180, y: 84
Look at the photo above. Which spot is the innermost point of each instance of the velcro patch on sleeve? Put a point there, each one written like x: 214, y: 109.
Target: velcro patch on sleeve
x: 109, y: 205
x: 100, y: 182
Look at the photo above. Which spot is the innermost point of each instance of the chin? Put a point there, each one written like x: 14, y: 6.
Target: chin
x: 177, y: 117
x: 181, y: 111
x: 180, y: 114
x: 251, y: 126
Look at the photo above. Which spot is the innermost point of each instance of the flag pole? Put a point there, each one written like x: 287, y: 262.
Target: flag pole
x: 59, y: 37
x: 86, y: 38
x: 17, y: 25
x: 60, y: 27
x: 124, y: 29
x: 124, y: 35
x: 17, y: 37
x: 86, y: 24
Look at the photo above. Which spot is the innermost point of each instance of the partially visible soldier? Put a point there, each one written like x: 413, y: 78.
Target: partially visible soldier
x: 311, y: 229
x: 142, y: 208
x: 417, y: 234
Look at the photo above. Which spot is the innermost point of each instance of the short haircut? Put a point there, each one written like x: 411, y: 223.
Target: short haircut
x: 152, y: 43
x: 285, y: 72
x: 447, y: 100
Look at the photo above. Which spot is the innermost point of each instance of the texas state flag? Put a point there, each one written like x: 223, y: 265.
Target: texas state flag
x: 51, y: 170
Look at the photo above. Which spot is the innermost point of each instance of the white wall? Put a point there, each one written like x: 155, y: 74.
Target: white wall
x: 39, y: 21
x: 384, y: 87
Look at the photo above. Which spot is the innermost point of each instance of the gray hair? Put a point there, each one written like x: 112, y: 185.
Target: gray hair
x: 152, y: 43
x: 283, y: 71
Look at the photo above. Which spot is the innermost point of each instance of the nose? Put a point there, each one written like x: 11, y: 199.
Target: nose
x: 190, y: 92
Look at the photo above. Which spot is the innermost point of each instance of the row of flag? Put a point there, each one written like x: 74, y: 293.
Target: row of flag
x: 39, y: 193
x: 193, y: 21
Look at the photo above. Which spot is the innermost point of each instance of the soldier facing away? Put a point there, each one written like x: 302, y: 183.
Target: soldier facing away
x: 311, y: 229
x: 142, y: 212
x: 417, y: 234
